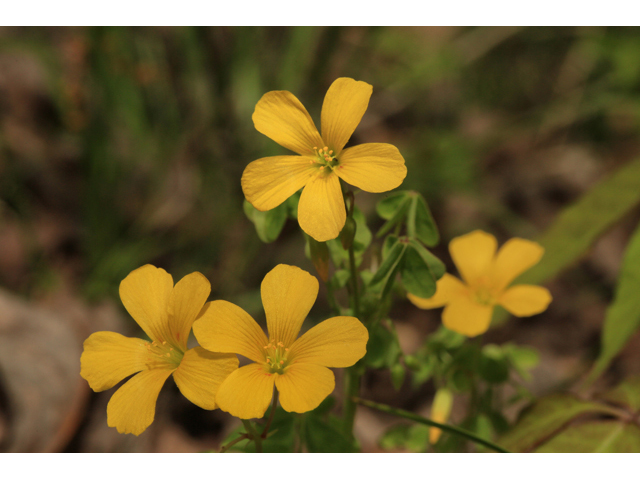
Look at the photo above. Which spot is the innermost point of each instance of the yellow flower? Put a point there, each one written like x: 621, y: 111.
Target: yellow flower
x: 297, y: 368
x: 469, y: 306
x: 166, y: 314
x: 372, y: 167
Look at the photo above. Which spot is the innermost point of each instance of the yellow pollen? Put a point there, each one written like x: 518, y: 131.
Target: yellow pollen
x: 326, y: 148
x: 330, y: 152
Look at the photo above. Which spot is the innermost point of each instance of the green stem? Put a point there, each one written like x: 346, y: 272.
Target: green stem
x: 274, y: 404
x: 426, y: 421
x: 226, y: 447
x: 253, y: 435
x: 355, y: 294
x: 353, y: 374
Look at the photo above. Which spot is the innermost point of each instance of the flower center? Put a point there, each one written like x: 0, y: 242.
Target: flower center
x: 161, y: 354
x: 276, y: 354
x: 325, y: 159
x: 483, y: 292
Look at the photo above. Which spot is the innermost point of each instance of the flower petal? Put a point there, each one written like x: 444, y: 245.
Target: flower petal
x: 516, y: 256
x: 267, y: 182
x: 280, y: 116
x: 145, y: 294
x: 288, y: 293
x: 321, y: 211
x: 133, y: 406
x: 227, y: 328
x: 246, y: 393
x: 337, y: 342
x: 473, y: 254
x: 467, y: 317
x: 109, y: 357
x: 342, y: 109
x: 447, y: 289
x: 304, y: 386
x: 525, y: 300
x: 372, y: 167
x: 200, y: 374
x: 187, y: 299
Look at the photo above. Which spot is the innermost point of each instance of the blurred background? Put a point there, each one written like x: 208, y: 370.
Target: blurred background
x: 125, y: 146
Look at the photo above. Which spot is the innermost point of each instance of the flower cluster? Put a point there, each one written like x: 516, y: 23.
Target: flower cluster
x: 209, y: 377
x: 298, y: 368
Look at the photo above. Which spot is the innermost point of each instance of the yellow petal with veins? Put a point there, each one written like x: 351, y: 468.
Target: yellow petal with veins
x: 337, y: 342
x: 343, y: 108
x: 133, y: 406
x: 145, y: 293
x: 200, y: 374
x: 227, y: 328
x: 247, y: 392
x: 288, y: 293
x: 321, y: 210
x: 448, y: 288
x: 516, y: 256
x: 187, y: 299
x: 280, y: 116
x: 473, y: 255
x: 467, y: 317
x: 304, y: 386
x: 109, y: 357
x: 267, y: 182
x: 372, y: 167
x: 525, y: 300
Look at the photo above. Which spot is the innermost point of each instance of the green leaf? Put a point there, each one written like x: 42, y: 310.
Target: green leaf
x: 383, y: 347
x: 595, y: 437
x: 393, y: 209
x: 494, y: 365
x: 268, y: 224
x: 623, y: 315
x: 363, y: 236
x: 397, y: 375
x: 577, y: 227
x: 389, y: 206
x: 383, y: 278
x: 522, y: 358
x: 420, y: 223
x: 435, y: 264
x: 416, y: 275
x: 340, y: 279
x: 325, y: 436
x: 626, y: 394
x: 545, y: 417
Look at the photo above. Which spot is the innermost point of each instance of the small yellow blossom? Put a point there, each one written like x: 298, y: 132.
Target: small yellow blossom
x: 297, y: 367
x: 469, y: 305
x: 372, y: 167
x: 165, y: 312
